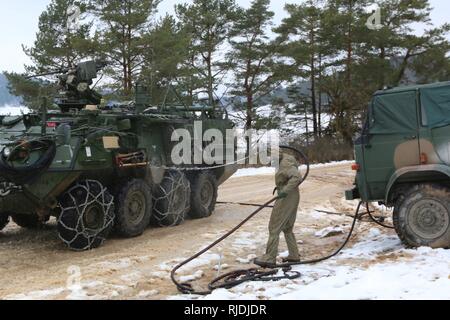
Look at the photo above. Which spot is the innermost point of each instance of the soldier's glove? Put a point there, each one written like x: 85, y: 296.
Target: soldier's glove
x: 282, y: 195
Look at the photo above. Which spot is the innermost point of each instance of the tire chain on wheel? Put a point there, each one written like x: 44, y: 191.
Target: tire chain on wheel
x: 91, y: 196
x: 162, y: 215
x: 4, y: 220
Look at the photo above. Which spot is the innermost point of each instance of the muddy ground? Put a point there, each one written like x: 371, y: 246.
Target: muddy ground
x: 35, y: 264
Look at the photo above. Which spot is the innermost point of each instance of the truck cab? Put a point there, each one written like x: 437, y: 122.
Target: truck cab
x: 403, y: 161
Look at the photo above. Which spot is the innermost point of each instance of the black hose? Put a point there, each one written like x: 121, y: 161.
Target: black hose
x: 347, y: 240
x: 380, y: 223
x: 186, y: 288
x: 238, y: 277
x: 24, y: 174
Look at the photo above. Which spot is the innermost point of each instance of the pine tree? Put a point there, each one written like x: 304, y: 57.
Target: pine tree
x: 55, y: 46
x: 303, y: 41
x: 345, y: 31
x: 397, y: 40
x: 30, y: 91
x: 209, y: 23
x: 167, y: 61
x: 122, y: 25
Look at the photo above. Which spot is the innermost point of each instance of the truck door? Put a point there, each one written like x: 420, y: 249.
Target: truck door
x: 392, y: 141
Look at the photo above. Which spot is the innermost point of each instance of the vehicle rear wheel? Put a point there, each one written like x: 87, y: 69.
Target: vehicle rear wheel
x: 4, y: 220
x: 422, y: 217
x: 87, y: 216
x: 27, y: 221
x: 171, y: 200
x: 204, y: 190
x: 134, y: 208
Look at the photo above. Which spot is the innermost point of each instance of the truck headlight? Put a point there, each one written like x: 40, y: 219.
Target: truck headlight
x: 6, y: 152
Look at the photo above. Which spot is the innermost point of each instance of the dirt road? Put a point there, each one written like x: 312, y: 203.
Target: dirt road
x: 34, y: 264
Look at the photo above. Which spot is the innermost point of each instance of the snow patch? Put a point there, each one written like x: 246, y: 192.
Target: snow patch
x: 36, y: 295
x: 389, y: 272
x: 329, y: 232
x: 13, y: 111
x: 196, y: 276
x: 248, y: 172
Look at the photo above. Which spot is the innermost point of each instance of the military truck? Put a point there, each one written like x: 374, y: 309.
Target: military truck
x: 403, y: 161
x: 99, y: 170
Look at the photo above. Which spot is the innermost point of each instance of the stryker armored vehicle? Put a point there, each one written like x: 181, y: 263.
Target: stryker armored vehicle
x: 403, y: 161
x: 99, y: 170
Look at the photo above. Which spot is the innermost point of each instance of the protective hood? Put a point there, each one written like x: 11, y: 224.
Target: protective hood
x: 288, y: 161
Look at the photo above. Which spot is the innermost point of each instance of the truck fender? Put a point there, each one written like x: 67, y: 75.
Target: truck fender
x: 418, y: 171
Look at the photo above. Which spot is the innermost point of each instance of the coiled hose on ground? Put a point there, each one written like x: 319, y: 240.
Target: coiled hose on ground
x: 238, y: 277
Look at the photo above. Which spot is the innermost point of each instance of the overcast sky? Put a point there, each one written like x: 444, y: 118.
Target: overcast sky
x: 19, y: 20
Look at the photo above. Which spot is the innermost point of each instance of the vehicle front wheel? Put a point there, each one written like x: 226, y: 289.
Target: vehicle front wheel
x: 87, y: 215
x: 4, y: 220
x: 422, y: 217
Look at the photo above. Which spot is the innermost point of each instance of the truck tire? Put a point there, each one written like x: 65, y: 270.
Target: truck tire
x: 422, y: 217
x: 171, y: 200
x: 27, y: 221
x: 204, y: 190
x: 87, y: 216
x: 4, y: 220
x: 134, y: 208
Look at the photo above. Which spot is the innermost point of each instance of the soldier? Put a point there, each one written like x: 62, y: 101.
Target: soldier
x: 284, y: 213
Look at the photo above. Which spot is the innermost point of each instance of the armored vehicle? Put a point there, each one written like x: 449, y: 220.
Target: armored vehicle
x: 99, y: 170
x: 403, y: 161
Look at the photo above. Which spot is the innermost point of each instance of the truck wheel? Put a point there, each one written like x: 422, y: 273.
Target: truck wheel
x: 87, y: 216
x: 4, y: 220
x: 422, y: 217
x: 134, y: 209
x: 204, y: 190
x: 171, y: 200
x: 27, y: 221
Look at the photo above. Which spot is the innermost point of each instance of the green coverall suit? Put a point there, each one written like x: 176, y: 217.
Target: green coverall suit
x: 284, y: 213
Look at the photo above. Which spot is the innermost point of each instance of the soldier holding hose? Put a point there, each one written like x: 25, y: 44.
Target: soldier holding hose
x: 284, y: 214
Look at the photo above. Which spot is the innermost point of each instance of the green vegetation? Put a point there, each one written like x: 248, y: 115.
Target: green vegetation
x: 226, y: 53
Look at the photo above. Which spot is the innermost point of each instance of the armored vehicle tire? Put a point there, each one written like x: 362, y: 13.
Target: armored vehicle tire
x: 87, y: 215
x: 171, y: 200
x: 27, y: 221
x: 134, y: 207
x: 422, y: 217
x: 204, y: 190
x: 4, y: 220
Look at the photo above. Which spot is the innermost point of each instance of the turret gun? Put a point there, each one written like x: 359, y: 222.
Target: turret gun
x: 75, y: 83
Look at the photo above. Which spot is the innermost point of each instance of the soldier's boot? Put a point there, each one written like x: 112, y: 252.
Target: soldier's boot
x: 269, y: 260
x: 266, y: 262
x: 294, y: 253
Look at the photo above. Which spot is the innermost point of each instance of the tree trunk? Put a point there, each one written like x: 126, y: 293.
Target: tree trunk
x: 249, y: 120
x: 210, y: 80
x: 320, y: 96
x: 403, y: 68
x: 383, y: 74
x: 313, y: 96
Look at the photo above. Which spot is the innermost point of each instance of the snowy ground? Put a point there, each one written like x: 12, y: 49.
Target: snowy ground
x: 249, y: 172
x: 374, y: 266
